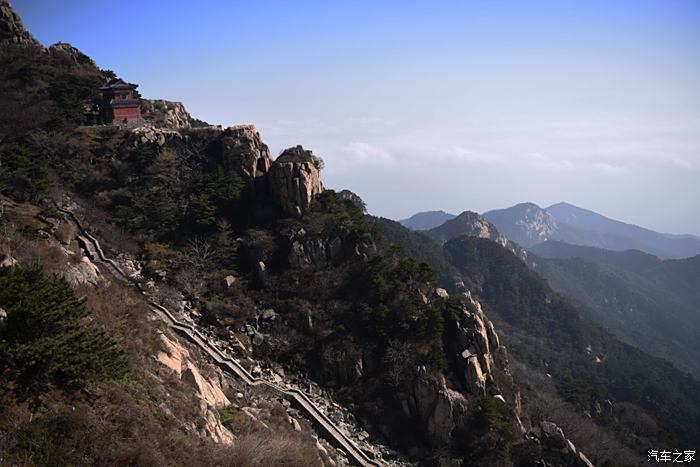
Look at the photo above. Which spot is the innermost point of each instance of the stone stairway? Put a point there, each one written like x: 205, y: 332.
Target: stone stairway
x: 326, y: 427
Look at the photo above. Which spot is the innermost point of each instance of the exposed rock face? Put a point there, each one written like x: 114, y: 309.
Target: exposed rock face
x: 165, y: 114
x: 241, y: 150
x: 476, y: 340
x: 305, y: 251
x: 294, y: 180
x: 554, y: 442
x: 439, y: 408
x: 178, y: 359
x: 85, y: 272
x: 12, y: 29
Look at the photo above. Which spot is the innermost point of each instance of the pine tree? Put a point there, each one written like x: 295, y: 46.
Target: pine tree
x: 46, y: 339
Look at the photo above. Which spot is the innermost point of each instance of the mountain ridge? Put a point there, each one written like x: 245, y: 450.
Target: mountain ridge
x: 426, y: 220
x: 528, y: 224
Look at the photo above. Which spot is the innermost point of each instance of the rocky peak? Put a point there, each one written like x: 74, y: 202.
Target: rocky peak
x: 468, y: 223
x: 165, y: 114
x: 71, y: 53
x: 295, y: 179
x: 12, y: 30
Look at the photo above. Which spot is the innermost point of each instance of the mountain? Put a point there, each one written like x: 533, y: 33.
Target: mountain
x: 525, y: 224
x: 622, y: 236
x: 631, y: 260
x: 426, y: 220
x: 678, y: 276
x: 649, y: 303
x: 467, y: 223
x: 528, y: 224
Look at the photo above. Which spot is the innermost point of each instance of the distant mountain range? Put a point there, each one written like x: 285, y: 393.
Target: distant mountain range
x: 426, y: 220
x: 527, y: 224
x: 650, y: 303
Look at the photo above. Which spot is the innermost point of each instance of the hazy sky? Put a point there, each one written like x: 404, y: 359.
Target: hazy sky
x: 433, y: 105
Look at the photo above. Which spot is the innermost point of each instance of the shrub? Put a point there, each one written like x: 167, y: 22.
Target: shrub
x: 232, y: 418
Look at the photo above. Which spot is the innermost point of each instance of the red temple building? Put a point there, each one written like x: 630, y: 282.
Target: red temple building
x: 119, y: 105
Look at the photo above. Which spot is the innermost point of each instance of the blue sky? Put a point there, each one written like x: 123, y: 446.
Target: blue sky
x: 433, y: 105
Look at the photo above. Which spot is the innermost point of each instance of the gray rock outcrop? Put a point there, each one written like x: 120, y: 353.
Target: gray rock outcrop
x: 294, y: 180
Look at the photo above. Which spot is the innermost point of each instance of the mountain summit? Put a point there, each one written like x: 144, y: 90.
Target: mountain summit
x: 524, y: 223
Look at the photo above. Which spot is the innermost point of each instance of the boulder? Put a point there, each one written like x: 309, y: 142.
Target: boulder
x: 240, y: 150
x: 268, y: 315
x: 85, y: 272
x: 442, y: 293
x: 439, y: 408
x: 294, y: 180
x: 8, y: 262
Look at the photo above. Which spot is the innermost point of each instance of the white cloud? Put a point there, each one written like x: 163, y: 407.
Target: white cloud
x: 365, y: 153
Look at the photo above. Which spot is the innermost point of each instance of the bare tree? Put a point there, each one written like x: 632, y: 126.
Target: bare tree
x: 200, y: 250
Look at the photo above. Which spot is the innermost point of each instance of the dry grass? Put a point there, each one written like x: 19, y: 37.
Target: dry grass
x: 263, y: 449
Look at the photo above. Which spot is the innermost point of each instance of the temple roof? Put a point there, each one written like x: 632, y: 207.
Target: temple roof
x: 117, y: 84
